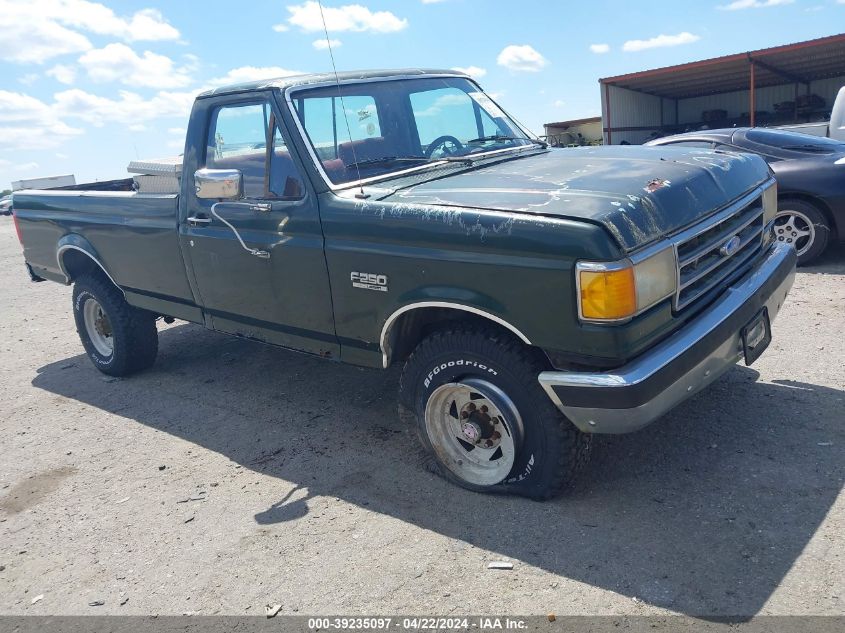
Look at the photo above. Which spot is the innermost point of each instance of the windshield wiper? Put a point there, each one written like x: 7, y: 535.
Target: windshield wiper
x: 386, y: 160
x: 504, y: 137
x: 466, y: 160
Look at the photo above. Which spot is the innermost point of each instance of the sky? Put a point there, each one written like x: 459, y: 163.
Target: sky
x: 87, y: 86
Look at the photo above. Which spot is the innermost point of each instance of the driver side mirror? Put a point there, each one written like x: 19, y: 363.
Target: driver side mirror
x: 226, y: 184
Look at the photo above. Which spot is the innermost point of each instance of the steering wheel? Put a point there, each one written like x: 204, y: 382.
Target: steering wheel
x: 440, y: 142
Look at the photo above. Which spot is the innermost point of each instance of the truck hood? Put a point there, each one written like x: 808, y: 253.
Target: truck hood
x: 639, y: 194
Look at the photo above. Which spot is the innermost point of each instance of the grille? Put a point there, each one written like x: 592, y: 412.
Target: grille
x: 703, y: 264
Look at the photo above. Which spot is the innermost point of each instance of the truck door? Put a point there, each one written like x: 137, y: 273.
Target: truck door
x: 280, y: 295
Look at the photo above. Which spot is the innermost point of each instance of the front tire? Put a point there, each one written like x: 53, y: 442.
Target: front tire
x: 118, y: 338
x: 804, y: 226
x: 473, y: 396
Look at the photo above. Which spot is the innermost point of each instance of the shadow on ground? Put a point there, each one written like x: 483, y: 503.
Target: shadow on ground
x: 702, y: 513
x: 831, y: 262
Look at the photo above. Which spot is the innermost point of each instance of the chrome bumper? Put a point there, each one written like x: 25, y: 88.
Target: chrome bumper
x: 632, y: 396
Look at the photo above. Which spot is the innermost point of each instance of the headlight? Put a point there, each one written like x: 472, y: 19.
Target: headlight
x: 770, y: 204
x: 770, y: 209
x: 616, y: 291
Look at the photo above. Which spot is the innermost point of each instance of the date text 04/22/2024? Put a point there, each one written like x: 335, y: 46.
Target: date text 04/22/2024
x: 484, y: 623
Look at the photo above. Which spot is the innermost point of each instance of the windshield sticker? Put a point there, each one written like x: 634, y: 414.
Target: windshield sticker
x: 487, y: 105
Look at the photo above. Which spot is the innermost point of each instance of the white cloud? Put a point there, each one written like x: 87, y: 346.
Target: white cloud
x: 438, y: 1
x: 26, y: 166
x: 473, y: 71
x: 280, y: 28
x: 26, y: 40
x: 62, y: 73
x: 660, y: 41
x: 34, y: 31
x: 118, y: 62
x: 522, y: 58
x: 350, y: 17
x: 28, y: 123
x: 252, y: 73
x: 559, y: 103
x: 29, y: 79
x: 146, y: 24
x: 322, y: 45
x: 600, y: 49
x: 754, y: 4
x: 130, y: 108
x: 137, y: 127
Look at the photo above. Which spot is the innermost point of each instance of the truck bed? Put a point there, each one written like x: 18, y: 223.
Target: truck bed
x: 134, y: 236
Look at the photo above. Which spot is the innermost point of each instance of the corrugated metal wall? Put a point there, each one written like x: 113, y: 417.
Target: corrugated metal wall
x: 631, y: 109
x: 737, y: 103
x: 635, y: 109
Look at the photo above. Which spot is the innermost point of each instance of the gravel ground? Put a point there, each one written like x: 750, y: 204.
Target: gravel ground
x: 234, y: 475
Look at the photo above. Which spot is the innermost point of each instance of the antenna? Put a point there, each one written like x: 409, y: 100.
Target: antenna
x: 342, y: 105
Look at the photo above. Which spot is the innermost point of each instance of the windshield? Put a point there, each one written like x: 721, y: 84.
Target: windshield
x: 400, y: 124
x: 795, y: 141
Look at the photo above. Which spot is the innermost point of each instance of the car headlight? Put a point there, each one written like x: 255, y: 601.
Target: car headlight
x: 617, y: 291
x: 770, y: 209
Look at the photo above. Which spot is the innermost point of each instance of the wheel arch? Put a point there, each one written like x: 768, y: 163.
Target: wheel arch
x: 76, y: 256
x: 406, y: 326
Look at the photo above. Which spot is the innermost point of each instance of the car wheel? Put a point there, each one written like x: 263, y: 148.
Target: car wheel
x: 118, y: 338
x: 473, y: 396
x: 804, y: 226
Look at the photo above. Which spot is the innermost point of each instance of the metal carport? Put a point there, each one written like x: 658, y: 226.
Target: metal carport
x: 745, y: 86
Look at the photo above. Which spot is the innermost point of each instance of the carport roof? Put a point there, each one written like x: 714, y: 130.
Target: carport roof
x: 801, y: 62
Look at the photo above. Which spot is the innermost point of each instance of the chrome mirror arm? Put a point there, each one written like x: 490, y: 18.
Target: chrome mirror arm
x: 252, y: 251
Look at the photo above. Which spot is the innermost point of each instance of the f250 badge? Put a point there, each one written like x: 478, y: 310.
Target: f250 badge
x: 369, y: 281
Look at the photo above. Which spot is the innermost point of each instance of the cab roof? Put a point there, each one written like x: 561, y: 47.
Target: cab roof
x: 318, y: 78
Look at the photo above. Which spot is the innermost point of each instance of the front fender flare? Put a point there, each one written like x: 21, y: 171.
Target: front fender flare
x: 385, y: 342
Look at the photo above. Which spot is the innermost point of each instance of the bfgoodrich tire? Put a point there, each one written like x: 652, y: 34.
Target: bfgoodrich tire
x: 473, y: 396
x: 118, y: 338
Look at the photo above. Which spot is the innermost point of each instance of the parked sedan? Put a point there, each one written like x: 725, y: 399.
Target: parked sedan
x: 810, y: 171
x: 6, y: 205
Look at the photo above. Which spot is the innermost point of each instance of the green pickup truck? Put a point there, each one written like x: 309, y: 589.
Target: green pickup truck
x: 536, y: 296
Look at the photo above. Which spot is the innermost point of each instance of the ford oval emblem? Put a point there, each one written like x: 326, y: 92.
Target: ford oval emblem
x: 730, y: 247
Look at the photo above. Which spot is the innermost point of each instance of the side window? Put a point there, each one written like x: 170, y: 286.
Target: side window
x: 285, y: 181
x: 238, y: 139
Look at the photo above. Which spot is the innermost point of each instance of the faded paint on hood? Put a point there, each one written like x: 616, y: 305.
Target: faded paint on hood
x: 639, y: 194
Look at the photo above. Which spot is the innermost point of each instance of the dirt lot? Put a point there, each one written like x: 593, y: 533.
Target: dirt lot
x: 312, y: 493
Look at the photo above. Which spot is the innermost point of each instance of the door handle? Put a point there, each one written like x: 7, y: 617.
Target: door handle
x: 196, y: 220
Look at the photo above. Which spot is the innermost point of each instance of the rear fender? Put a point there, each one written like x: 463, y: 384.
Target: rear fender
x: 70, y: 249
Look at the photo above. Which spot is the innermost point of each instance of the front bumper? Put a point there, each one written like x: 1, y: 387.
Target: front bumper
x: 632, y: 396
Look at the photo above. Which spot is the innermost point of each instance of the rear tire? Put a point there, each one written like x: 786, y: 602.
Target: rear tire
x: 803, y: 225
x: 118, y: 338
x: 473, y: 396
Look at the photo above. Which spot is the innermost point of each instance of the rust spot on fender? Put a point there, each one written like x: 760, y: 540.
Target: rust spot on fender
x: 655, y: 184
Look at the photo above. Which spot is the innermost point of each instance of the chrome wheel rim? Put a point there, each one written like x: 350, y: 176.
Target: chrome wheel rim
x: 471, y: 427
x: 98, y: 327
x: 795, y: 228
